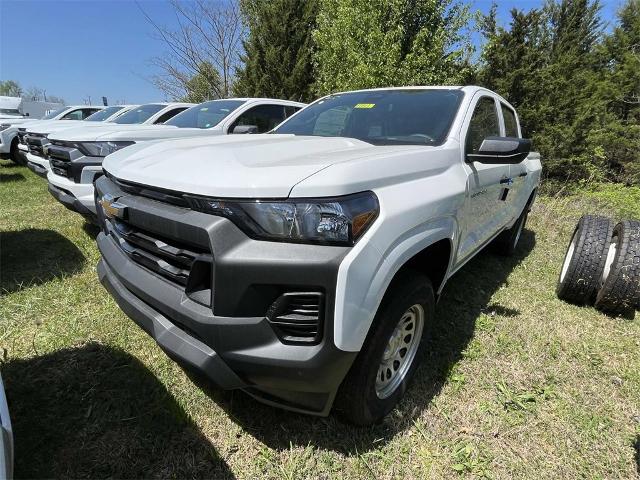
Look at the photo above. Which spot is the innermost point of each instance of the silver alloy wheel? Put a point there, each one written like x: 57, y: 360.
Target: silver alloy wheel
x: 567, y: 258
x: 519, y: 233
x: 611, y: 255
x: 400, y: 351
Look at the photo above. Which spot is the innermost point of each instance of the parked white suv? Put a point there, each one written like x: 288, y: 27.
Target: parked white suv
x: 36, y: 137
x: 76, y: 155
x: 10, y: 129
x: 302, y: 266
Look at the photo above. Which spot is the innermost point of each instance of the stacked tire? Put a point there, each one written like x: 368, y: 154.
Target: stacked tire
x: 602, y: 266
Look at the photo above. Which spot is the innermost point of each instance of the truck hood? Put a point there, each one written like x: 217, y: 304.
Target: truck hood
x: 115, y: 132
x: 58, y: 125
x: 233, y: 166
x: 21, y: 122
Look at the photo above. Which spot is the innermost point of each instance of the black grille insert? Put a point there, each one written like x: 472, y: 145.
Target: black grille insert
x: 297, y: 317
x: 166, y: 258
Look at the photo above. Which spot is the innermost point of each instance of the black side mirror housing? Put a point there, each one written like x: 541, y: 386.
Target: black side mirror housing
x: 501, y: 150
x: 245, y: 129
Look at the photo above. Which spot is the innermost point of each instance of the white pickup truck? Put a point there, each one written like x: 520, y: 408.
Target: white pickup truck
x: 76, y: 155
x: 302, y: 266
x: 36, y: 136
x: 10, y: 129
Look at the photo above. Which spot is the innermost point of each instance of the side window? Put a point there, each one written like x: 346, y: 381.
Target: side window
x: 88, y: 111
x: 510, y: 123
x: 265, y: 117
x: 484, y: 123
x: 73, y: 115
x: 170, y: 114
x: 289, y: 110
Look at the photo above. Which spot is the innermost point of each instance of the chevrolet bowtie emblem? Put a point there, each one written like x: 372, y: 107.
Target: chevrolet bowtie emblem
x: 111, y: 207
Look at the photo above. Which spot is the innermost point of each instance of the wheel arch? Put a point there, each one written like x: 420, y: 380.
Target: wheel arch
x: 364, y: 280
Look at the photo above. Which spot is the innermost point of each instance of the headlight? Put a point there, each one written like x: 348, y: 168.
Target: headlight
x: 333, y: 221
x: 101, y: 149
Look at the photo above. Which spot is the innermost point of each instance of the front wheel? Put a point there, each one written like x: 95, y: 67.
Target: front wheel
x: 391, y: 353
x: 14, y: 153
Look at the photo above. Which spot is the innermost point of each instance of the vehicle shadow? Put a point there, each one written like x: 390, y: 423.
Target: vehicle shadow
x: 466, y: 296
x: 35, y: 256
x: 11, y: 177
x: 636, y: 447
x: 94, y: 412
x: 90, y: 229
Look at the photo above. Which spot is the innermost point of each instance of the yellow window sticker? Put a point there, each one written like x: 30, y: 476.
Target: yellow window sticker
x: 365, y: 105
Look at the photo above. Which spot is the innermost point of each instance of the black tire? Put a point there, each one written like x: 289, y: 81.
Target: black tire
x: 14, y: 153
x: 357, y: 401
x: 507, y: 242
x: 620, y: 290
x: 583, y: 263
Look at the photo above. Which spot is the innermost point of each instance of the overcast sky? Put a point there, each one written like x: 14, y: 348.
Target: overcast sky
x: 77, y: 49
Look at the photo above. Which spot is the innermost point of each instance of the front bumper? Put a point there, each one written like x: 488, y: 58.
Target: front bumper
x: 231, y: 341
x: 37, y: 169
x: 67, y: 199
x: 82, y: 193
x: 38, y: 165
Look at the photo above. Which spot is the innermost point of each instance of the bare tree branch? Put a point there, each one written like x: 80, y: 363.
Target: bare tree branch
x: 207, y: 34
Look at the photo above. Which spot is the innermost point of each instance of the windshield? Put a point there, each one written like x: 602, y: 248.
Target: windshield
x: 380, y: 117
x: 103, y: 114
x: 205, y: 115
x: 54, y: 113
x: 140, y: 114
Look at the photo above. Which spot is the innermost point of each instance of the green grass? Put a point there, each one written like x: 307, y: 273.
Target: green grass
x: 515, y: 384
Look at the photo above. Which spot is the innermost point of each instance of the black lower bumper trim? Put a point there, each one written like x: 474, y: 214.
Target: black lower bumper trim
x: 37, y: 169
x: 72, y: 203
x: 178, y: 345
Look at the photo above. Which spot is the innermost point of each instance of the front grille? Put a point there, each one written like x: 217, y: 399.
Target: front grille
x: 60, y: 160
x: 36, y: 142
x: 297, y: 317
x: 166, y: 258
x: 160, y: 195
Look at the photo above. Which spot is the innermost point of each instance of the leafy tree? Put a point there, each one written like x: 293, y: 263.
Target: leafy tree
x: 204, y: 85
x: 10, y: 88
x: 278, y: 49
x: 379, y: 43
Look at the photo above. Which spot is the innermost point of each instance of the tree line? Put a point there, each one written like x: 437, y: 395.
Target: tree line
x: 11, y: 88
x: 574, y: 82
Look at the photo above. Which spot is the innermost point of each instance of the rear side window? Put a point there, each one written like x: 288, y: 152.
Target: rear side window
x: 170, y: 114
x: 265, y: 117
x: 289, y: 110
x: 484, y: 123
x: 73, y: 115
x: 510, y: 123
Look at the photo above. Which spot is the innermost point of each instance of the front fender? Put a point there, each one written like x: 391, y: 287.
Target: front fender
x: 366, y: 272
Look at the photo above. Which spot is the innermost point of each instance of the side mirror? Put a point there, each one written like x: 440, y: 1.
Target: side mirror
x: 501, y: 150
x: 26, y: 114
x: 245, y: 129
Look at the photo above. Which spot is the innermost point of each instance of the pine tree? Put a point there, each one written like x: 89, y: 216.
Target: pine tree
x: 615, y: 135
x: 278, y: 49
